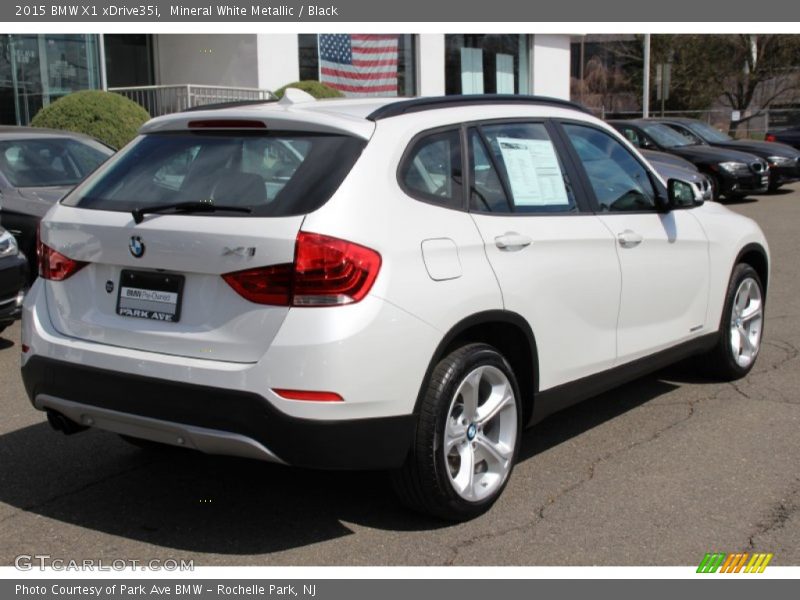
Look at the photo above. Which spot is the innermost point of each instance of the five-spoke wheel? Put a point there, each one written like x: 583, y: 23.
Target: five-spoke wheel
x: 741, y: 326
x: 467, y: 436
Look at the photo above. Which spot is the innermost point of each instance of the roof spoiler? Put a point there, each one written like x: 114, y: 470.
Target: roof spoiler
x: 421, y: 104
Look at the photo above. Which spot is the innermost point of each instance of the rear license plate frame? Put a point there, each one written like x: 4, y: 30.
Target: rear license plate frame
x: 154, y: 288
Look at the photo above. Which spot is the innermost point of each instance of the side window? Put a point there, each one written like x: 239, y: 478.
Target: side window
x: 431, y: 171
x: 631, y: 136
x: 619, y: 181
x: 519, y: 171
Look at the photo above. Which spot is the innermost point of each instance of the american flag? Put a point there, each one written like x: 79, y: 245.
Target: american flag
x: 359, y: 65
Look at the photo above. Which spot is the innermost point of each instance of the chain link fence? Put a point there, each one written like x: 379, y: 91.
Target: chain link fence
x: 755, y: 128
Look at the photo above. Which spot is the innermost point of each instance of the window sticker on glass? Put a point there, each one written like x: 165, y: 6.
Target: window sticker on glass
x: 533, y: 172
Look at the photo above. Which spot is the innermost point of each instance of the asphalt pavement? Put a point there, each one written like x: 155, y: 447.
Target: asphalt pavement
x: 657, y: 472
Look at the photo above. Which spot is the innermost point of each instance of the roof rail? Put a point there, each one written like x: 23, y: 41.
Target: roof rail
x: 233, y: 104
x: 420, y: 104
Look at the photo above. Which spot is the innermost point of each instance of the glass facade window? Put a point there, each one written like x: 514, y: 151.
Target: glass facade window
x: 129, y: 59
x: 394, y: 56
x: 36, y: 70
x: 486, y: 64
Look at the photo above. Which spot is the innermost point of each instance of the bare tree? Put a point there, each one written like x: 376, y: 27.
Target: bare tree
x: 751, y: 72
x: 603, y: 89
x: 747, y: 72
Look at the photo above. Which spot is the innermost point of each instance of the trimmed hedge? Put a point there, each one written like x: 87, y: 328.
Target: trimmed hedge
x: 109, y: 117
x: 315, y: 88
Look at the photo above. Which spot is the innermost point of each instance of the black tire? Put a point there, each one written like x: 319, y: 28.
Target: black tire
x: 773, y: 187
x: 720, y: 361
x: 423, y: 483
x: 2, y: 328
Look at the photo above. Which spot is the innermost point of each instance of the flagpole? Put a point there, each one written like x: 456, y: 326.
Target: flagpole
x: 319, y: 61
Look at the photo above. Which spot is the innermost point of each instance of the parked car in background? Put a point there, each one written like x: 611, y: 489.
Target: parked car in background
x: 429, y: 277
x: 13, y: 279
x: 670, y: 166
x: 37, y: 168
x: 789, y: 136
x: 733, y: 174
x: 783, y: 160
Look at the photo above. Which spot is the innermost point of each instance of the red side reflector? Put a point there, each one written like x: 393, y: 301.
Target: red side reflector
x: 770, y: 138
x: 309, y: 396
x: 227, y: 124
x: 25, y: 348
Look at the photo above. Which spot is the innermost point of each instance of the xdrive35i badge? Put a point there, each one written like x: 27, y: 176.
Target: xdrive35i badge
x: 136, y: 246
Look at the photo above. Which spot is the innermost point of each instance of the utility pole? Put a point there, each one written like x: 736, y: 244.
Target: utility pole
x: 583, y: 43
x: 646, y: 73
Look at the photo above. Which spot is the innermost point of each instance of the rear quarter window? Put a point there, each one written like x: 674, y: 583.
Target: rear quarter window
x: 274, y: 174
x: 431, y: 169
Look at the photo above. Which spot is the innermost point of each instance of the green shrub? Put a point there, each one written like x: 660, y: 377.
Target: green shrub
x: 109, y: 117
x: 315, y: 88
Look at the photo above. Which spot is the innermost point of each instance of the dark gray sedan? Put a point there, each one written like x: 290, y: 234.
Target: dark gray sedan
x: 37, y: 168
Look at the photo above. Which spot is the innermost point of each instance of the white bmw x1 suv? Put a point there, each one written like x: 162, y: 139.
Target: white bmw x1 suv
x: 382, y: 283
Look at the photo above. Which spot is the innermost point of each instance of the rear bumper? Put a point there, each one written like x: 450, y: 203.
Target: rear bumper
x: 213, y: 420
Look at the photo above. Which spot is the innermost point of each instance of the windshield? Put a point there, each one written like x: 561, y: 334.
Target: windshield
x: 43, y: 162
x: 708, y: 133
x: 664, y: 136
x: 272, y: 174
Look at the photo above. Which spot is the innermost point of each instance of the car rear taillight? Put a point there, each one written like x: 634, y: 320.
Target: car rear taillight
x: 770, y: 138
x: 53, y: 265
x: 326, y: 272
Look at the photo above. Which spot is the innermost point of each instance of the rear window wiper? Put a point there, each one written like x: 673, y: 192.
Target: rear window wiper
x: 186, y: 207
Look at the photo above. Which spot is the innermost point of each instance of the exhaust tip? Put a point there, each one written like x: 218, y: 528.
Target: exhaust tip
x: 63, y: 424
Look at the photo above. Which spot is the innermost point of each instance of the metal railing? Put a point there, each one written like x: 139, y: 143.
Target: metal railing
x: 164, y: 99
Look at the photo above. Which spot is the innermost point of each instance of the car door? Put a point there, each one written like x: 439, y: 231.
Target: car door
x: 555, y: 261
x: 663, y: 255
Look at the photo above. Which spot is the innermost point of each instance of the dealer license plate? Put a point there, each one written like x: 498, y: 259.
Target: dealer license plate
x: 147, y: 295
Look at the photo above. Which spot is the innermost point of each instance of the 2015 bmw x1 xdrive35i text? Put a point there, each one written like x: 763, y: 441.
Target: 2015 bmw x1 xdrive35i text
x: 378, y: 283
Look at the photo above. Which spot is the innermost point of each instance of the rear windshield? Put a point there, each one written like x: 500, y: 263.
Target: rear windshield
x: 44, y: 162
x: 273, y: 174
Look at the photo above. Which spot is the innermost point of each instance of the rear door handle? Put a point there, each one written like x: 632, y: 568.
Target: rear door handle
x: 512, y: 241
x: 629, y: 239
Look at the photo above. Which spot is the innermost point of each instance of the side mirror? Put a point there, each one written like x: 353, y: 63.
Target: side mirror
x: 680, y: 194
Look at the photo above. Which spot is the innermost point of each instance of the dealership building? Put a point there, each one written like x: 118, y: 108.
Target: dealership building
x: 173, y: 71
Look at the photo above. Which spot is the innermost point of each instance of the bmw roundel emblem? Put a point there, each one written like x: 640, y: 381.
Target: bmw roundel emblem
x: 136, y: 246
